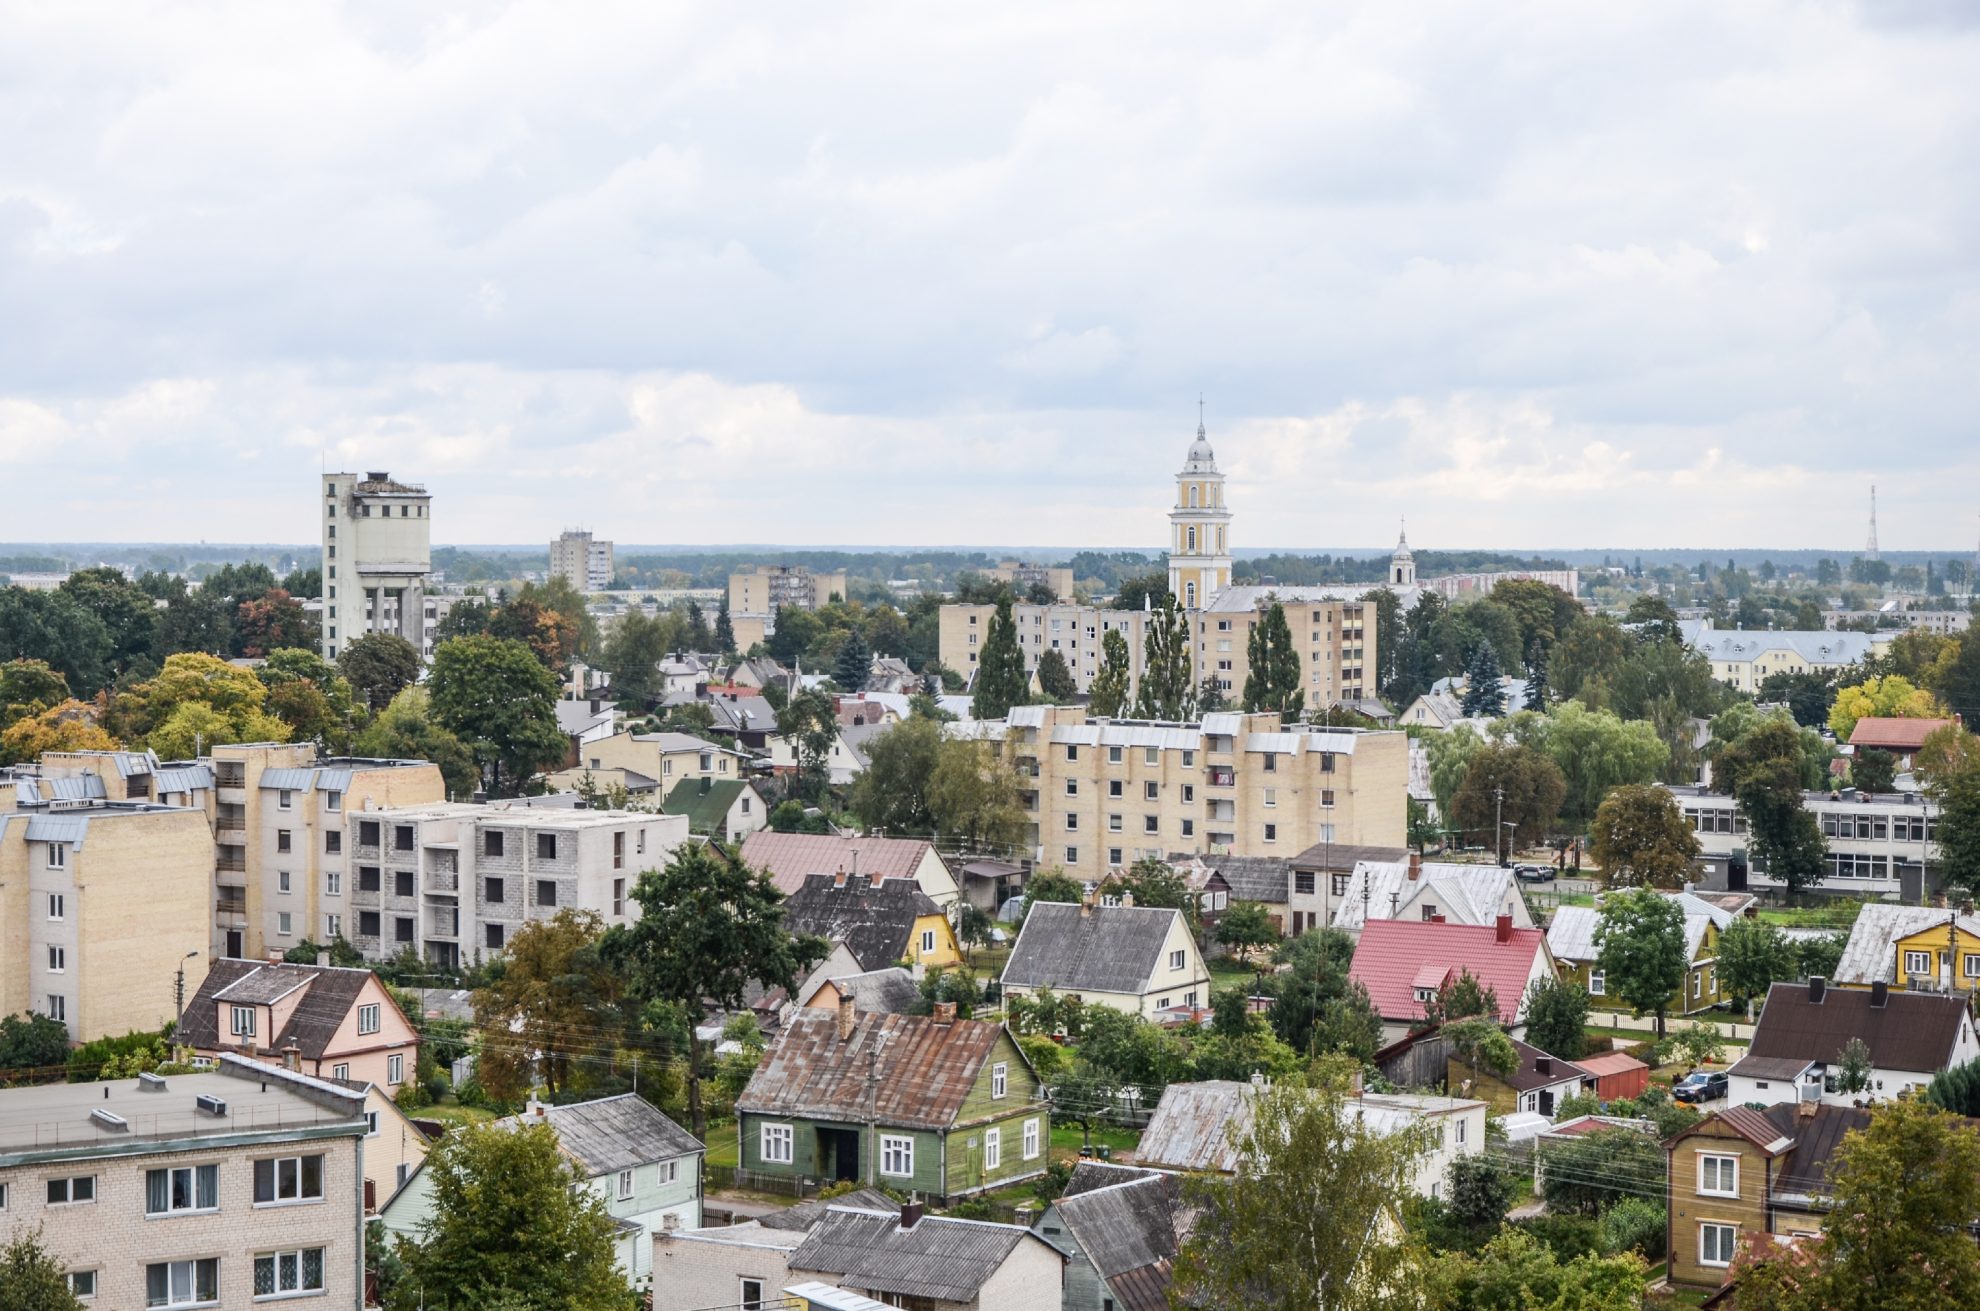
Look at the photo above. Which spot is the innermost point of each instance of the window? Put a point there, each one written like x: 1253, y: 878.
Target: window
x: 1151, y: 791
x: 1715, y: 1244
x: 333, y: 842
x: 57, y: 906
x: 1461, y: 1128
x: 285, y: 799
x: 1326, y: 798
x: 774, y: 1143
x: 282, y: 839
x: 618, y: 851
x: 1114, y: 826
x: 1915, y: 962
x: 1338, y: 884
x: 1188, y: 793
x: 58, y: 959
x: 896, y: 1156
x: 402, y: 882
x: 546, y: 846
x: 395, y: 1068
x: 1970, y: 965
x: 546, y: 892
x: 993, y: 1148
x: 669, y: 1172
x: 367, y: 923
x: 402, y: 837
x: 1598, y: 983
x: 185, y: 1283
x: 241, y: 1022
x: 367, y: 833
x: 288, y: 1179
x: 368, y: 1018
x: 1303, y: 883
x: 1072, y: 822
x: 72, y: 1191
x: 1271, y: 762
x: 82, y: 1283
x: 1000, y: 1079
x: 1113, y: 755
x: 1176, y: 959
x: 1072, y: 855
x: 368, y: 878
x: 333, y: 883
x: 1697, y: 984
x: 333, y: 800
x: 1072, y: 751
x: 1114, y: 856
x: 284, y: 923
x: 752, y: 1289
x: 282, y: 882
x: 341, y: 1071
x: 491, y: 890
x: 492, y: 936
x: 1072, y: 787
x: 1271, y: 832
x: 625, y: 1185
x: 58, y: 855
x: 491, y: 843
x: 183, y: 1188
x: 276, y: 1273
x: 1271, y: 796
x: 1031, y: 1139
x: 1189, y: 828
x: 1115, y: 787
x: 927, y: 941
x: 58, y: 1007
x: 1718, y: 1176
x: 1151, y: 824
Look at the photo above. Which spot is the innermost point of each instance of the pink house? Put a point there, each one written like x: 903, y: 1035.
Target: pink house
x: 320, y: 1019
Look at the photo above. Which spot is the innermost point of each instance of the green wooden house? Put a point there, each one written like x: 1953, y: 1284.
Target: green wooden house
x: 919, y: 1103
x: 1572, y: 939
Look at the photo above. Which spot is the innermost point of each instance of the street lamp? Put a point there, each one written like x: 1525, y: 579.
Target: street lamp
x: 1505, y: 846
x: 179, y: 997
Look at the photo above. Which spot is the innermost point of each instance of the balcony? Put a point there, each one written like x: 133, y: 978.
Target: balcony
x: 1222, y: 776
x: 230, y: 860
x: 439, y: 882
x: 443, y: 923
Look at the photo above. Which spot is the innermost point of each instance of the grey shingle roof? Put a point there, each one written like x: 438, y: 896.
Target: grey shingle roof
x: 1912, y: 1031
x: 313, y: 1023
x: 890, y: 991
x: 1101, y: 949
x: 615, y: 1133
x: 947, y: 1260
x: 806, y: 1214
x: 874, y: 921
x: 1254, y: 878
x: 1121, y: 1219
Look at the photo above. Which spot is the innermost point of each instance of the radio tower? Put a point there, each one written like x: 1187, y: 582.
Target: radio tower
x: 1871, y: 549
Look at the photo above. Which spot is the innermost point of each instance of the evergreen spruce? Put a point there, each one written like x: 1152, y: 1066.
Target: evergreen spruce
x: 1485, y: 698
x: 1001, y: 680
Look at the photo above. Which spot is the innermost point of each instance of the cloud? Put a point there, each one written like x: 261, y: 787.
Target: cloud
x: 1530, y: 273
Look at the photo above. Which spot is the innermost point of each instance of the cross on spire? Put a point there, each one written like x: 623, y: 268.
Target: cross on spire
x: 1199, y: 414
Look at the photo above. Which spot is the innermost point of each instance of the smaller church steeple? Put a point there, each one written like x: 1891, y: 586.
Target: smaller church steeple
x: 1402, y: 565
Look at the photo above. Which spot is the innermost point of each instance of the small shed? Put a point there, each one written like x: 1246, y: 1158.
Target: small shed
x: 1614, y: 1076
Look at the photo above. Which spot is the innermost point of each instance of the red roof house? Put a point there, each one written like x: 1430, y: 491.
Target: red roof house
x: 1901, y: 737
x: 1403, y: 963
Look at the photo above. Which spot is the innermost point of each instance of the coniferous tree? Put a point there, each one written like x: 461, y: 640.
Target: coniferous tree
x: 1108, y: 697
x: 1168, y: 671
x: 854, y: 664
x: 1055, y: 678
x: 1001, y: 680
x: 1485, y: 695
x: 725, y: 632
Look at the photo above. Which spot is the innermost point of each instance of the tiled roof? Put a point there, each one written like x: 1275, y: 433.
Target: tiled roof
x: 614, y: 1133
x: 1911, y: 1031
x: 941, y: 1259
x: 1073, y: 948
x: 1391, y: 954
x: 1891, y: 733
x: 313, y: 1023
x: 926, y: 1069
x: 874, y: 920
x: 791, y: 858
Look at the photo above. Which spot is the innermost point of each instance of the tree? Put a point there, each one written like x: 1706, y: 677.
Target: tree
x: 1753, y: 956
x: 1312, y: 975
x: 66, y: 726
x: 854, y: 663
x: 892, y: 792
x: 709, y: 927
x: 1245, y: 927
x: 1585, y: 1175
x: 307, y: 693
x: 1298, y: 1223
x: 974, y: 927
x: 1168, y: 666
x: 271, y: 621
x: 1516, y: 785
x: 1485, y: 692
x: 1640, y: 838
x: 1763, y: 771
x: 58, y: 630
x: 1055, y: 678
x: 1143, y: 592
x: 1893, y: 696
x: 1872, y: 770
x: 1516, y: 1271
x: 193, y: 622
x: 126, y: 612
x: 1853, y: 1066
x: 1481, y: 1046
x: 32, y: 1042
x: 1450, y: 754
x: 197, y: 701
x: 1700, y: 1044
x: 1957, y: 1089
x: 1273, y: 680
x: 975, y: 796
x: 1807, y: 693
x: 1584, y: 661
x: 31, y: 1279
x: 632, y: 656
x: 378, y: 667
x: 725, y: 631
x: 1459, y: 999
x: 540, y: 1015
x: 500, y: 700
x: 510, y: 1227
x: 1556, y: 1011
x: 1639, y: 939
x: 1595, y: 752
x: 28, y: 687
x: 1053, y: 885
x: 1949, y: 763
x: 1001, y: 681
x: 1108, y: 696
x: 810, y: 723
x: 407, y: 730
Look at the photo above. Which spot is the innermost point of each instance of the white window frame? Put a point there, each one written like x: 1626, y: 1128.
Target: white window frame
x: 368, y: 1018
x: 625, y: 1189
x: 395, y: 1068
x: 1000, y: 1080
x: 69, y: 1183
x: 57, y: 856
x: 285, y: 799
x: 896, y: 1156
x: 1598, y: 983
x: 1918, y: 962
x: 1712, y: 1172
x: 191, y: 1269
x: 993, y: 1149
x: 58, y: 907
x: 58, y: 958
x: 58, y: 1007
x: 1178, y: 959
x: 82, y: 1284
x: 240, y: 1021
x: 1031, y: 1139
x: 284, y: 924
x: 298, y: 1289
x: 196, y: 1176
x: 1731, y: 1242
x: 927, y: 942
x: 668, y: 1172
x: 333, y: 883
x: 775, y: 1144
x: 275, y: 1172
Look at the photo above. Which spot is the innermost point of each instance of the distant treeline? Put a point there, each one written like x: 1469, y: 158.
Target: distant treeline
x: 1315, y: 570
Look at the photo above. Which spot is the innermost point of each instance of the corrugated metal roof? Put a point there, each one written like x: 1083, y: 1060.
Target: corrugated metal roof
x: 791, y: 858
x: 614, y: 1133
x: 1099, y: 949
x: 287, y: 780
x: 1223, y: 724
x: 333, y: 780
x: 926, y: 1070
x: 185, y: 778
x: 1122, y: 1220
x: 1162, y: 736
x: 1870, y: 954
x: 1292, y: 743
x: 57, y: 828
x: 939, y: 1258
x: 1189, y: 1128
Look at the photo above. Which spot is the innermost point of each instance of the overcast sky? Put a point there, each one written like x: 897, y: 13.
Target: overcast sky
x: 1531, y: 273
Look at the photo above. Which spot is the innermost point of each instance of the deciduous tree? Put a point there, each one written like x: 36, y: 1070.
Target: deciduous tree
x: 892, y: 792
x: 378, y: 667
x: 1753, y: 956
x: 1763, y: 770
x: 1556, y: 1011
x: 976, y: 797
x: 1108, y: 697
x: 1518, y: 786
x: 31, y: 1279
x: 66, y: 726
x: 543, y: 1011
x: 1893, y: 696
x: 407, y: 730
x: 1640, y: 838
x: 810, y: 723
x: 500, y: 700
x: 1639, y: 938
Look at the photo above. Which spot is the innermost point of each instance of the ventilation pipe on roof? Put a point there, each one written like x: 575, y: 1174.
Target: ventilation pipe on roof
x: 1880, y: 994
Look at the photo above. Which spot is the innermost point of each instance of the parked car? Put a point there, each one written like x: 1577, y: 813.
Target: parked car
x: 1533, y: 873
x: 1699, y: 1087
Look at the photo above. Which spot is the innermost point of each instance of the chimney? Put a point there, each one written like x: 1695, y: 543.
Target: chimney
x: 911, y: 1213
x: 1354, y: 1083
x: 1805, y: 1108
x: 839, y: 877
x: 945, y: 1012
x: 323, y: 958
x: 1502, y: 929
x: 1817, y: 985
x: 1544, y: 1066
x: 877, y: 878
x: 1437, y: 919
x: 1880, y: 994
x: 292, y: 1058
x: 1415, y: 866
x: 848, y: 1017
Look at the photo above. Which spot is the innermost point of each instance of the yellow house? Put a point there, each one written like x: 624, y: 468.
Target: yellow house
x: 1920, y: 948
x: 646, y: 763
x: 1571, y: 938
x: 880, y: 921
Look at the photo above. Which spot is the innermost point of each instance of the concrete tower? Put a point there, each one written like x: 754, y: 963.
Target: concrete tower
x: 377, y: 556
x: 1199, y: 527
x: 1402, y: 565
x: 1870, y: 551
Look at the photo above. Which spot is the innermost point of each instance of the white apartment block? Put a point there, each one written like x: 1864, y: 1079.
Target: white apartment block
x: 377, y: 559
x: 455, y: 880
x: 1879, y: 845
x: 1103, y: 794
x: 231, y: 1189
x: 583, y: 561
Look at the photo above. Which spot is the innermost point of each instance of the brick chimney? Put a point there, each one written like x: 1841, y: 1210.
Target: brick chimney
x: 911, y: 1214
x: 1805, y: 1109
x: 1502, y: 928
x: 1415, y: 866
x: 876, y: 879
x: 848, y: 1017
x: 292, y: 1058
x: 839, y: 877
x: 945, y: 1012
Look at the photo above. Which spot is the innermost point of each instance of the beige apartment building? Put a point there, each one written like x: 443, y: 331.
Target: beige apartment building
x: 583, y: 561
x: 455, y: 881
x: 229, y: 1189
x: 767, y: 588
x: 1106, y: 793
x: 101, y: 903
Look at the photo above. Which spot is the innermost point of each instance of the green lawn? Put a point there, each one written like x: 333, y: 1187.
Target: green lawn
x: 722, y: 1146
x: 453, y: 1114
x: 1839, y: 914
x: 1679, y: 1297
x: 1068, y: 1137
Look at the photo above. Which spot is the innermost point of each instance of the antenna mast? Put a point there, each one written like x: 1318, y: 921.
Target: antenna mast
x: 1871, y: 550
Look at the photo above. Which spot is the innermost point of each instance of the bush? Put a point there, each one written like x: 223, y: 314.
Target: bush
x: 1047, y: 1187
x: 87, y: 1061
x: 1566, y: 1236
x: 1635, y: 1224
x: 973, y: 1208
x: 471, y: 1093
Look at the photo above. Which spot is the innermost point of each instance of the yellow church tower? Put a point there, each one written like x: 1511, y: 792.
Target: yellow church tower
x: 1199, y: 527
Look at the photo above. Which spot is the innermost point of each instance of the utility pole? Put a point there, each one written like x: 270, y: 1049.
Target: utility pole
x: 179, y: 997
x: 1499, y: 824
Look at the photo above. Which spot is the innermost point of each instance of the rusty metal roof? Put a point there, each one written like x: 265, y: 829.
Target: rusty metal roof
x: 924, y: 1070
x: 1188, y: 1129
